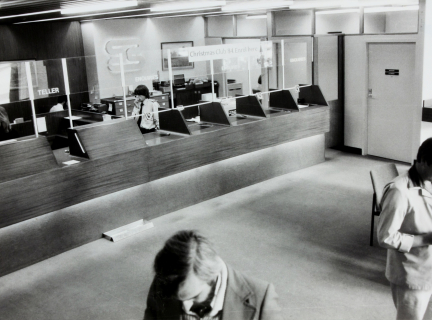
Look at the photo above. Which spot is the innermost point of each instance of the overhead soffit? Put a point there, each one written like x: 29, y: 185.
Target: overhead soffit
x: 19, y: 7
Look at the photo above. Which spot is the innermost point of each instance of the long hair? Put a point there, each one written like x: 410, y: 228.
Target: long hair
x: 424, y: 153
x: 185, y: 251
x: 4, y: 120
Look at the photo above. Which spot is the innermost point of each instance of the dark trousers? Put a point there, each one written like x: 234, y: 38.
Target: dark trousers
x: 143, y: 130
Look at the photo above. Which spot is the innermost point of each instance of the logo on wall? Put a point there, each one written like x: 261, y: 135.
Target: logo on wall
x: 131, y: 50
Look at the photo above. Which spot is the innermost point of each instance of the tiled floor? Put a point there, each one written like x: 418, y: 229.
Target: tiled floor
x: 307, y: 232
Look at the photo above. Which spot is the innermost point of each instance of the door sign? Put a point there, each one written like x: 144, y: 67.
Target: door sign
x: 392, y: 72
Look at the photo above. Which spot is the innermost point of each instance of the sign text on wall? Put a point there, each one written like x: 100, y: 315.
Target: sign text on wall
x: 131, y: 50
x: 48, y: 91
x: 224, y: 51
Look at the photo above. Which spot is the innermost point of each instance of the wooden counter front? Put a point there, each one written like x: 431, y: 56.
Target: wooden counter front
x: 61, y: 187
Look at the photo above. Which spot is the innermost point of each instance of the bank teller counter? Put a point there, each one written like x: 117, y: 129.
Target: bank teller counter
x: 20, y: 118
x: 111, y: 156
x: 54, y: 125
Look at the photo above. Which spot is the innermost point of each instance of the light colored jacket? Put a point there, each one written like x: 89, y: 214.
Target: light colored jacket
x: 406, y: 211
x: 148, y: 112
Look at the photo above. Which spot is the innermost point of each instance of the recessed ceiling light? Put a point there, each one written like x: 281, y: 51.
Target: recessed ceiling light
x: 315, y: 4
x: 390, y: 9
x: 256, y: 5
x: 98, y: 7
x: 178, y: 5
x: 256, y: 16
x: 337, y: 11
x: 29, y: 14
x: 84, y: 15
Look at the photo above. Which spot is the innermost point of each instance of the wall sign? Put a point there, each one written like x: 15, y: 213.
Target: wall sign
x: 48, y: 91
x: 131, y: 50
x: 392, y: 72
x: 223, y: 51
x: 147, y: 78
x: 301, y: 59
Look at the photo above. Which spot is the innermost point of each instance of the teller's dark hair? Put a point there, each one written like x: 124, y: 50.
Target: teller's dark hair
x: 185, y: 251
x: 142, y: 90
x: 62, y: 99
x: 424, y: 153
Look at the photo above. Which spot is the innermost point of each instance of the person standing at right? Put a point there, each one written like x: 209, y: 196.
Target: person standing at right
x: 405, y: 229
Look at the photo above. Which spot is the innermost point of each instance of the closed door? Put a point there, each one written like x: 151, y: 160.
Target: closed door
x: 391, y: 100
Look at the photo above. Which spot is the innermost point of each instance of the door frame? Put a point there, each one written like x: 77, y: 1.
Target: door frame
x: 368, y: 84
x: 418, y: 72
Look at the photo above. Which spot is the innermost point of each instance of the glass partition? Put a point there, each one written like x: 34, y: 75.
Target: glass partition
x: 242, y: 71
x: 16, y: 109
x: 297, y: 61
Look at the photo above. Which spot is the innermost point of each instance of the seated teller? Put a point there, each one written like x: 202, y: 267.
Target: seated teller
x: 61, y: 102
x: 145, y: 110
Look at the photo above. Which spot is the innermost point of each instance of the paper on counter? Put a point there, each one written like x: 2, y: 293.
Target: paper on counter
x: 71, y: 162
x: 41, y: 124
x: 73, y: 118
x: 196, y: 119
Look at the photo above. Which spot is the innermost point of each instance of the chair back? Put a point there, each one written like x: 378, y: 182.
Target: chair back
x: 380, y: 177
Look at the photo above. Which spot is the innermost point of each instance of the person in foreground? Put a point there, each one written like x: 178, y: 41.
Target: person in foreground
x: 6, y: 131
x: 193, y: 282
x: 405, y: 229
x: 145, y: 110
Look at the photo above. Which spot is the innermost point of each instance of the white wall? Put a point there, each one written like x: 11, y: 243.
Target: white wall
x: 327, y: 66
x: 356, y: 86
x: 427, y: 60
x: 374, y: 22
x: 296, y: 22
x: 221, y: 26
x: 251, y: 27
x: 401, y: 21
x: 149, y: 33
x: 345, y: 22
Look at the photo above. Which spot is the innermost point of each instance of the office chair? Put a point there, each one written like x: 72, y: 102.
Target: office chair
x: 380, y: 177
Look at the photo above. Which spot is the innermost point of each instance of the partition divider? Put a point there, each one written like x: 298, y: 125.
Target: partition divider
x: 214, y: 112
x: 66, y: 82
x: 123, y: 84
x: 170, y: 74
x: 173, y: 120
x: 249, y: 105
x: 31, y: 96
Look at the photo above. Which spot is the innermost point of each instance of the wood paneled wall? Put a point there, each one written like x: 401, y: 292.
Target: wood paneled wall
x: 47, y: 41
x: 41, y: 41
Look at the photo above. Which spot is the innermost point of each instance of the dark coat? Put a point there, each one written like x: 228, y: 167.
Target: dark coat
x: 245, y: 299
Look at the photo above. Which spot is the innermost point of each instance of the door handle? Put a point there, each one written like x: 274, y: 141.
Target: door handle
x: 370, y: 93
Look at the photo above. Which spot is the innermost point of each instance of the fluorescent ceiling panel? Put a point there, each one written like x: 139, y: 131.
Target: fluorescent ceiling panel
x: 29, y: 14
x: 179, y: 5
x: 255, y: 5
x: 257, y: 16
x: 100, y: 7
x: 315, y: 4
x: 337, y: 11
x: 84, y: 15
x: 390, y: 9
